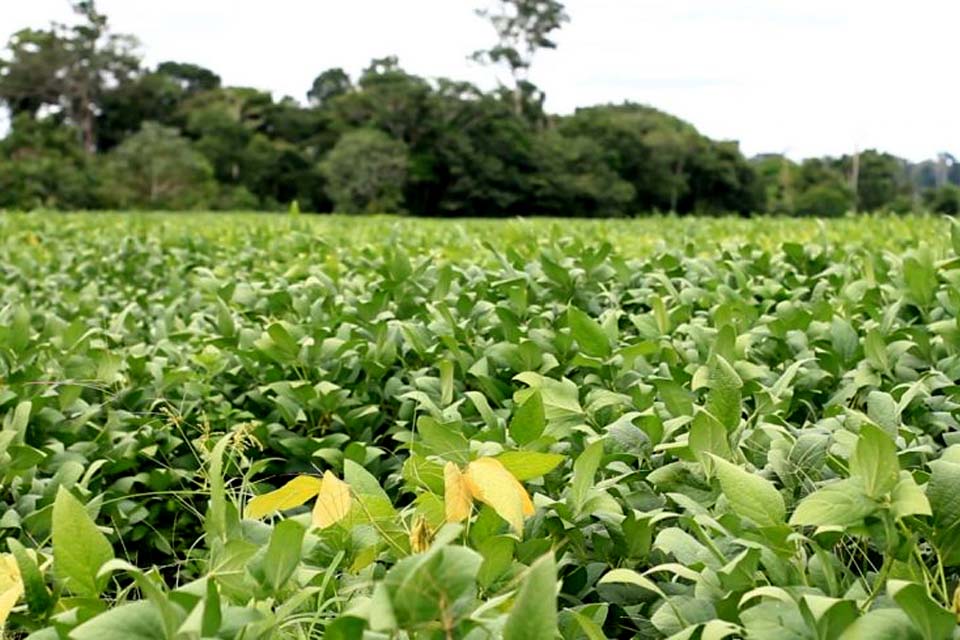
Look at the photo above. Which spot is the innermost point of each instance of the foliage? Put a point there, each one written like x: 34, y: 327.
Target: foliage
x: 157, y: 169
x: 283, y: 426
x: 365, y: 172
x: 469, y: 152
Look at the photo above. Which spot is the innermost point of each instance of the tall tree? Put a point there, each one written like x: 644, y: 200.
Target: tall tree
x: 328, y: 85
x: 523, y: 28
x: 156, y: 168
x: 68, y: 68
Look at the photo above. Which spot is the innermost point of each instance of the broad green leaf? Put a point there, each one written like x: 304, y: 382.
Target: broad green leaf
x: 874, y: 460
x: 529, y: 420
x: 526, y: 465
x: 920, y: 276
x: 436, y: 586
x: 943, y: 489
x: 908, y: 499
x: 882, y: 409
x: 79, y: 548
x: 750, y: 496
x: 35, y: 589
x: 844, y: 339
x: 444, y: 440
x: 841, y: 503
x: 283, y: 553
x: 875, y: 348
x: 588, y: 333
x: 131, y: 621
x: 934, y: 622
x: 679, y: 401
x: 629, y: 576
x: 882, y: 624
x: 534, y: 612
x: 497, y: 552
x: 584, y: 470
x: 707, y: 435
x: 724, y: 397
x: 561, y: 398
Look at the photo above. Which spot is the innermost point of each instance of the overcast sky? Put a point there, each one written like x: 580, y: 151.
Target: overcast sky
x: 809, y: 77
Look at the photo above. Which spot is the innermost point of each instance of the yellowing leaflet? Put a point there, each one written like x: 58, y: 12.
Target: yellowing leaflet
x: 11, y: 586
x: 488, y: 481
x: 293, y: 494
x: 456, y: 494
x: 333, y: 502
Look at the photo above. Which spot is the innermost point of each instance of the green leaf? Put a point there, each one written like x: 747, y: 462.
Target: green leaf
x: 497, y: 552
x: 882, y: 409
x: 433, y: 586
x: 588, y: 333
x: 584, y: 469
x: 874, y: 460
x: 444, y: 440
x: 529, y: 420
x: 35, y: 589
x: 875, y: 348
x: 724, y: 398
x: 908, y: 499
x: 844, y: 339
x: 750, y: 496
x: 212, y: 614
x: 79, y: 548
x: 133, y: 621
x: 934, y: 622
x: 283, y: 553
x: 707, y: 435
x: 921, y: 280
x: 842, y: 503
x: 629, y: 576
x: 679, y: 401
x: 526, y: 465
x: 534, y: 612
x: 591, y: 629
x: 882, y: 624
x: 943, y: 490
x: 446, y: 382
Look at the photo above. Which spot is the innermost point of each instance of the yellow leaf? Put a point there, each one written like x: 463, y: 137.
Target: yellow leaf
x: 11, y: 586
x: 293, y: 494
x: 492, y: 484
x: 333, y: 502
x: 456, y: 494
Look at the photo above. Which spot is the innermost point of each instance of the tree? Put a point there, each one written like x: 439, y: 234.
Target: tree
x: 329, y: 85
x: 880, y: 178
x: 572, y: 178
x: 523, y: 28
x: 191, y: 78
x: 825, y: 200
x: 42, y: 165
x: 156, y: 168
x: 945, y: 199
x: 365, y: 173
x: 670, y: 165
x: 776, y: 175
x: 68, y: 68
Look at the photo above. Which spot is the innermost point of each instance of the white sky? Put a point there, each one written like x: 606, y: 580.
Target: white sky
x: 809, y: 77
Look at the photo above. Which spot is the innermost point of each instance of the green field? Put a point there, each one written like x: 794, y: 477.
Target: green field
x: 528, y: 429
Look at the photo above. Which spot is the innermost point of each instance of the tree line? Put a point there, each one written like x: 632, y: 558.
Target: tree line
x: 92, y: 127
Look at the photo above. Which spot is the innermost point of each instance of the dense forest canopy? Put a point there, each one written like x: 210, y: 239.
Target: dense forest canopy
x: 92, y: 127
